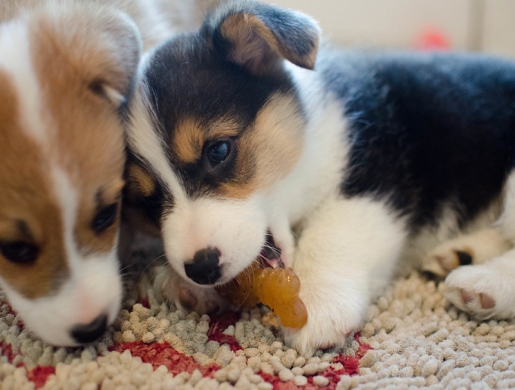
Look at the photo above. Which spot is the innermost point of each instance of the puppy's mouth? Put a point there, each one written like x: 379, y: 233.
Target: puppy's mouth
x: 270, y: 255
x: 238, y: 290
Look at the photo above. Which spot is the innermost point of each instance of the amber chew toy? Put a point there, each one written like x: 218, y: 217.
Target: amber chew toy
x: 277, y: 288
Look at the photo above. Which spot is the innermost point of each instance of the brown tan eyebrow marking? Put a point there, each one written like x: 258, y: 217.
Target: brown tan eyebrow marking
x: 139, y: 181
x: 16, y: 230
x: 189, y: 137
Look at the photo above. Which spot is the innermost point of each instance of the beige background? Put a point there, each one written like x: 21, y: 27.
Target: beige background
x: 478, y: 25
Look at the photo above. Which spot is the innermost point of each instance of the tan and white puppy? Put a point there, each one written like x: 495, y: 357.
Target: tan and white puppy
x: 66, y: 71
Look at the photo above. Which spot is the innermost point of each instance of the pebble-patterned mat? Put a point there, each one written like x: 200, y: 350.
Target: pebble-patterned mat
x: 413, y: 339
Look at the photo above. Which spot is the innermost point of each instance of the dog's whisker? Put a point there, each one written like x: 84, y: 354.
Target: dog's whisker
x: 150, y: 264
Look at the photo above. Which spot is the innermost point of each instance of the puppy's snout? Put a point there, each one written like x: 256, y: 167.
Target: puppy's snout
x: 90, y: 332
x: 205, y: 268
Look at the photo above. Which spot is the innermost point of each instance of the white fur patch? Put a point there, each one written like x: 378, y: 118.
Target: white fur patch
x: 67, y: 199
x: 144, y: 141
x: 15, y: 59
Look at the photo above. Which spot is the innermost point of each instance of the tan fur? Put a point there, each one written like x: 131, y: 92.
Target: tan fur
x: 26, y: 197
x: 139, y: 184
x: 242, y: 28
x: 139, y: 181
x: 188, y: 141
x: 267, y: 153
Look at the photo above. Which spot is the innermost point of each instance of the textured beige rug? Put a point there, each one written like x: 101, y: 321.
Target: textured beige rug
x: 412, y: 339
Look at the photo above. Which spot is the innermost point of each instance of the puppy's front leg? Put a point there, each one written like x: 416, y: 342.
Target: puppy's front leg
x: 345, y: 257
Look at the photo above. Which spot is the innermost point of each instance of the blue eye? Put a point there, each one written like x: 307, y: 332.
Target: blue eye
x: 218, y: 152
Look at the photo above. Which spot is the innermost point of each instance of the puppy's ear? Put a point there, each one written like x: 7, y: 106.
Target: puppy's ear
x: 94, y: 42
x: 118, y: 56
x: 258, y: 36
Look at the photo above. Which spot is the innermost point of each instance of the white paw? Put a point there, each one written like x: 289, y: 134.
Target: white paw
x: 332, y: 317
x: 481, y: 291
x: 185, y: 295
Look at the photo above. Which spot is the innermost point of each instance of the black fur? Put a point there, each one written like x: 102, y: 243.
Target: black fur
x: 426, y: 130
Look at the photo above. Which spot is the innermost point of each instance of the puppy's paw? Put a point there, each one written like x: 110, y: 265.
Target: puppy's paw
x: 185, y: 295
x: 447, y: 257
x: 475, y: 248
x: 332, y: 317
x: 481, y: 291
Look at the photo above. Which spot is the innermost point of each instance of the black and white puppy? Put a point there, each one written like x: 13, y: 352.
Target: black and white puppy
x: 380, y: 162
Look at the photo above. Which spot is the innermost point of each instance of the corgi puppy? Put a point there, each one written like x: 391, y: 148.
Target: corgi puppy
x: 67, y: 71
x: 352, y: 166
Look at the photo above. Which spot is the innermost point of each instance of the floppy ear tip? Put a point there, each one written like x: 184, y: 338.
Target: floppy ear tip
x: 121, y: 64
x: 113, y: 95
x: 109, y: 92
x: 304, y: 42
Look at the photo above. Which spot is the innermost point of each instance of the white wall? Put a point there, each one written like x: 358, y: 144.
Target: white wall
x: 484, y: 25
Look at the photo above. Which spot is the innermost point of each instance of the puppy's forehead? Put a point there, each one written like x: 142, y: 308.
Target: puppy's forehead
x: 83, y: 123
x: 188, y: 80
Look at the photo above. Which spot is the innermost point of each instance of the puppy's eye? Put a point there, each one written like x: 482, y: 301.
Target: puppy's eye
x: 104, y: 218
x: 218, y: 152
x: 19, y: 252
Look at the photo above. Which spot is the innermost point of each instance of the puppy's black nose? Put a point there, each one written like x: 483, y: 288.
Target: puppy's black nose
x: 90, y: 332
x: 204, y: 269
